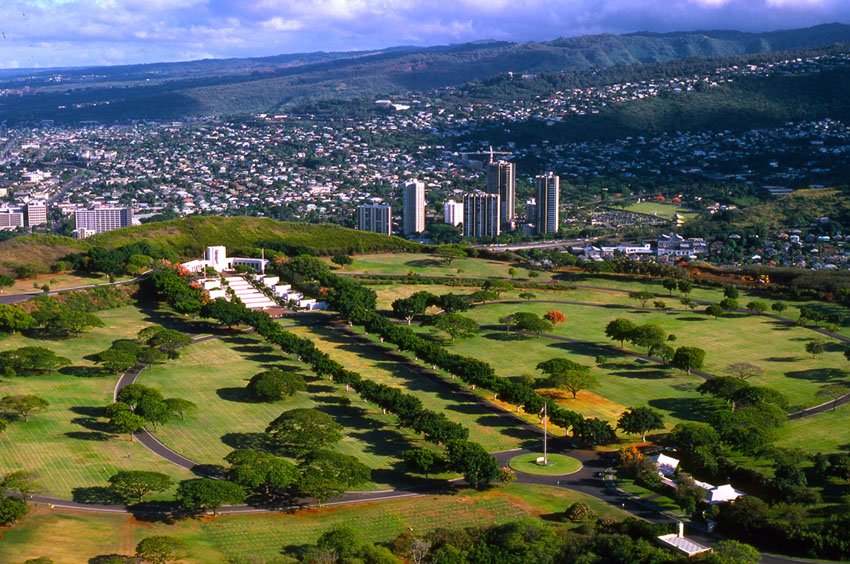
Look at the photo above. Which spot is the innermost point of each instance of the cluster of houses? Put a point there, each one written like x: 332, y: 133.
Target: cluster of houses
x: 253, y: 293
x: 667, y: 467
x: 669, y: 246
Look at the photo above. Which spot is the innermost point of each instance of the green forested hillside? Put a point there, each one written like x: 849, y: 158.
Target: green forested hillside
x: 747, y: 103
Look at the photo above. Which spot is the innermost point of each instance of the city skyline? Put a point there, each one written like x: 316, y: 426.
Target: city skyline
x: 54, y: 33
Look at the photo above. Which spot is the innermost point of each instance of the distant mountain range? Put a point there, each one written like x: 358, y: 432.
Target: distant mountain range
x: 234, y: 86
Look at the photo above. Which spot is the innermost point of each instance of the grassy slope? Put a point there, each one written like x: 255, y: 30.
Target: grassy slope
x: 189, y: 236
x: 76, y: 537
x: 799, y: 209
x: 38, y: 250
x: 65, y: 445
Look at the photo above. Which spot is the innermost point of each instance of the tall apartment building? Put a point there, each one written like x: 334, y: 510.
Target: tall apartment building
x: 100, y: 220
x: 413, y: 212
x: 453, y: 212
x: 548, y: 187
x: 377, y: 218
x: 530, y: 210
x: 10, y: 218
x: 501, y: 180
x: 481, y: 215
x: 36, y: 214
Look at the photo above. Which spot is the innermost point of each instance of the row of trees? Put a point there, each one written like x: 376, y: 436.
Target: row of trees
x: 528, y: 540
x: 478, y: 467
x: 357, y: 304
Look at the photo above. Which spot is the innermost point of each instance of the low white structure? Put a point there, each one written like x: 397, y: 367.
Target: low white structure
x: 218, y: 293
x: 722, y: 494
x: 680, y: 543
x: 250, y: 296
x: 210, y: 283
x: 666, y: 465
x: 217, y: 259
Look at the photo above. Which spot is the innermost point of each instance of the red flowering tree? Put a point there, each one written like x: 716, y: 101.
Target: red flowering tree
x: 555, y: 317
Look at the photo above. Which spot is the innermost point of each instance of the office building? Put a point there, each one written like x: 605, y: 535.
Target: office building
x: 413, y: 213
x: 100, y: 220
x: 377, y: 218
x: 501, y: 180
x: 481, y: 215
x: 548, y: 187
x: 11, y: 218
x: 36, y: 214
x: 453, y: 212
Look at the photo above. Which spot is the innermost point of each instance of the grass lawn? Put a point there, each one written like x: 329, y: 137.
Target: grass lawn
x: 213, y: 375
x: 777, y: 348
x: 666, y: 211
x: 76, y: 537
x: 388, y: 293
x: 825, y: 432
x: 66, y: 445
x: 493, y: 432
x: 58, y: 282
x: 664, y: 502
x: 430, y: 265
x: 559, y: 464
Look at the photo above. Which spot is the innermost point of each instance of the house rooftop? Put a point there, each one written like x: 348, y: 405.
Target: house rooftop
x: 683, y: 544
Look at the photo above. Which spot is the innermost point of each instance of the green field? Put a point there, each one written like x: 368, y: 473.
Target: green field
x: 67, y: 446
x: 400, y: 264
x: 662, y: 210
x: 213, y: 375
x: 430, y: 265
x: 623, y: 383
x: 777, y: 348
x: 493, y: 432
x: 825, y: 432
x: 61, y: 281
x: 75, y: 537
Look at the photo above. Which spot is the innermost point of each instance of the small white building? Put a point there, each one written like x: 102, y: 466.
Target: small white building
x: 666, y: 465
x: 680, y: 543
x: 722, y: 494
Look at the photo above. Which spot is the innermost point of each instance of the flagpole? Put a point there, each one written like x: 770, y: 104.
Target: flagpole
x: 545, y: 424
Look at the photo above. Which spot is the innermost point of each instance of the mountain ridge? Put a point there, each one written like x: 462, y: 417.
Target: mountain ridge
x: 218, y: 87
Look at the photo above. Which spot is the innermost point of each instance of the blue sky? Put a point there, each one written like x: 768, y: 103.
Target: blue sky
x: 42, y: 33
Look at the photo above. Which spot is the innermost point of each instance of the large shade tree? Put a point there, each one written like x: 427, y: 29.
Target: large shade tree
x: 640, y: 420
x: 303, y: 430
x: 567, y: 375
x: 275, y: 384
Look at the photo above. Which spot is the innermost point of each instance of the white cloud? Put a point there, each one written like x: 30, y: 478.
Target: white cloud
x: 280, y: 24
x: 92, y: 31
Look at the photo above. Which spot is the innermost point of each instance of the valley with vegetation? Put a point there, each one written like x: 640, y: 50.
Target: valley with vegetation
x: 406, y: 419
x: 573, y: 300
